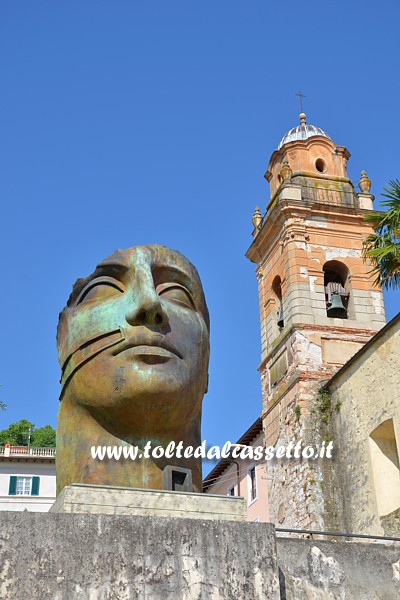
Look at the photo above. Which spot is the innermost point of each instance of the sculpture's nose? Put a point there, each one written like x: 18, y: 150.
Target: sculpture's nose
x: 145, y: 307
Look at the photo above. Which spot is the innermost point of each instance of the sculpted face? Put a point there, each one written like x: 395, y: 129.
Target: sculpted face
x: 134, y: 343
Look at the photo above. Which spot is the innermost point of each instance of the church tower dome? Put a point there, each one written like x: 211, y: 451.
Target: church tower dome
x: 302, y: 132
x: 313, y: 157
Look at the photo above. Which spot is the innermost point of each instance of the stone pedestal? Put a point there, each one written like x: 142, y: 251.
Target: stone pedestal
x: 109, y: 500
x: 366, y: 201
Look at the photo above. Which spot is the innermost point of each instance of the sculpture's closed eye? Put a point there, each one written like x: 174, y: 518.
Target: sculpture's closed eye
x: 176, y: 293
x: 100, y: 289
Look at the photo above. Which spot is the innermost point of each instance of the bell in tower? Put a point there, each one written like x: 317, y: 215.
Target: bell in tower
x: 336, y: 294
x: 336, y: 308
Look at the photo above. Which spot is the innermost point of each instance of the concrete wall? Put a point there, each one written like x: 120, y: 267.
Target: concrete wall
x: 327, y: 570
x: 104, y: 557
x: 96, y: 557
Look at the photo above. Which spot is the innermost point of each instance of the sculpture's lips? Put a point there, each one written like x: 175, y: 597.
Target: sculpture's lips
x: 148, y: 346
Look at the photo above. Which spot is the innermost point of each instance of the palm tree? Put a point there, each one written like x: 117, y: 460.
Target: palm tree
x: 382, y: 248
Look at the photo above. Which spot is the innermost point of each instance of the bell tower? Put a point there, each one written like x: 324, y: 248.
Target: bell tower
x: 318, y: 305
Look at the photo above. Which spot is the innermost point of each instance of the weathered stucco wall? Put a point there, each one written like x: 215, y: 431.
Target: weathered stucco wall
x: 364, y: 395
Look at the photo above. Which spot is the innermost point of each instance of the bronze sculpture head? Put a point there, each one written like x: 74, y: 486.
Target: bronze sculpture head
x: 133, y: 346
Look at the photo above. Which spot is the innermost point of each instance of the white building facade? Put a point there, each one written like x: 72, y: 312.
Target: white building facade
x: 27, y: 478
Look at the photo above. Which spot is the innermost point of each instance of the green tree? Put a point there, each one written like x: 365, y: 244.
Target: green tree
x: 382, y: 248
x: 17, y: 434
x: 44, y: 437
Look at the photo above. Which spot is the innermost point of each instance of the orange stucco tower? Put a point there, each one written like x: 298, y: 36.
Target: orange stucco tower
x: 318, y: 305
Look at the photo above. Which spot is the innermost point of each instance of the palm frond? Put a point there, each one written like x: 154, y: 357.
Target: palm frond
x: 382, y: 248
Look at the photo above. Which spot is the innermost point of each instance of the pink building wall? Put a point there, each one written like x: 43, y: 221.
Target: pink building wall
x: 237, y: 477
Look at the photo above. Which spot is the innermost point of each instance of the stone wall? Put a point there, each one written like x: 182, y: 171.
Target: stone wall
x: 327, y: 570
x: 51, y: 556
x: 295, y: 497
x: 47, y: 556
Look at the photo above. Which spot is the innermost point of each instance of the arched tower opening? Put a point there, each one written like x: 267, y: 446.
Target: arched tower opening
x: 336, y: 282
x: 277, y: 294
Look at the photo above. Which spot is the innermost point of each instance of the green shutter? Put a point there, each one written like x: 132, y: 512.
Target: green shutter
x: 12, y: 490
x: 35, y: 486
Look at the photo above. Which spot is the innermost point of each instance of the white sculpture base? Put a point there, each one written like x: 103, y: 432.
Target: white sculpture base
x: 109, y: 500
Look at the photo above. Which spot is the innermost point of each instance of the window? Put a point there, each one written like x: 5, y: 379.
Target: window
x: 320, y: 165
x: 231, y: 491
x: 24, y: 486
x: 252, y: 485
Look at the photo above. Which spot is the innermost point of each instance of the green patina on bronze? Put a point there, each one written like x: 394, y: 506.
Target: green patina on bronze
x: 133, y: 345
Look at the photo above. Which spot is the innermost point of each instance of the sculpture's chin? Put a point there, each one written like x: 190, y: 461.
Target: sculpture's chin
x: 147, y: 391
x: 156, y: 405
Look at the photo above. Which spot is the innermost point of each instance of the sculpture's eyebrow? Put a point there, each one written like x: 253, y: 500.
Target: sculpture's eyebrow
x: 177, y: 274
x: 111, y: 268
x: 105, y: 268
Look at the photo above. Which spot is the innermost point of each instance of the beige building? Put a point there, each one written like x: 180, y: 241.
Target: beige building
x: 247, y: 478
x: 27, y: 478
x: 318, y: 308
x: 365, y: 424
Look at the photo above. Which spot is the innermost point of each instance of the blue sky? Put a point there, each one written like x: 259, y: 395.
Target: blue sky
x: 125, y: 123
